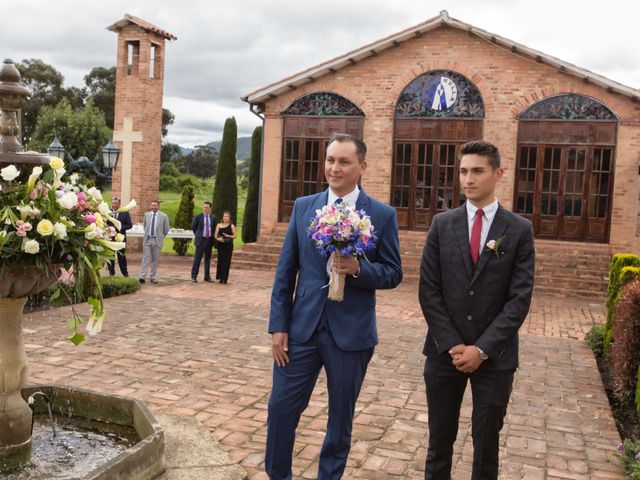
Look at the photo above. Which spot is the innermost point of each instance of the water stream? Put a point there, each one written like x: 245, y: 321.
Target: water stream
x: 79, y: 447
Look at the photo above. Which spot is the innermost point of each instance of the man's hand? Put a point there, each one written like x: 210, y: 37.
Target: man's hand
x: 456, y: 351
x: 280, y: 347
x: 467, y: 360
x: 348, y: 265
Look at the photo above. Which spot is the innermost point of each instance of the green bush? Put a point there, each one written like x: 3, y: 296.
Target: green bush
x: 625, y: 349
x: 616, y: 282
x: 250, y: 223
x: 172, y: 183
x: 225, y: 191
x: 595, y: 339
x: 630, y: 457
x: 116, y: 286
x: 184, y: 218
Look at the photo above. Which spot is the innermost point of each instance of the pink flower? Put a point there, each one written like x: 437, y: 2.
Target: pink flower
x: 89, y: 218
x: 66, y: 276
x: 82, y: 197
x: 491, y: 244
x: 23, y: 228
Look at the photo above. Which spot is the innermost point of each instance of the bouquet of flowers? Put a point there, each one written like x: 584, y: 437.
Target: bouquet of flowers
x: 61, y: 229
x: 340, y: 229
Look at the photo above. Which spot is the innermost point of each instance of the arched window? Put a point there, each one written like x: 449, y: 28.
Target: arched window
x: 435, y: 114
x: 309, y: 122
x: 564, y: 170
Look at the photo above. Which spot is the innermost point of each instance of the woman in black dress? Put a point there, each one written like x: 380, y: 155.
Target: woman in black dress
x: 224, y: 234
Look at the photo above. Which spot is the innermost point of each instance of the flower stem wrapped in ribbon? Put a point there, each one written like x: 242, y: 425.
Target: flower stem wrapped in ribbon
x: 341, y: 230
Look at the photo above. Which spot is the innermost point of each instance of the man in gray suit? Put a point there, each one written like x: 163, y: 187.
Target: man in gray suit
x: 156, y: 227
x: 476, y: 281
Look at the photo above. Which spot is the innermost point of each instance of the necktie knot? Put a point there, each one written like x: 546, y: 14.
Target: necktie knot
x: 338, y: 201
x: 479, y: 213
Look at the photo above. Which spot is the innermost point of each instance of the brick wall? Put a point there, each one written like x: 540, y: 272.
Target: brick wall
x: 140, y: 97
x: 508, y: 82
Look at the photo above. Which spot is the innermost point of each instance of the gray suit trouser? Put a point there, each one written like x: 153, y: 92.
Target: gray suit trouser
x: 150, y: 257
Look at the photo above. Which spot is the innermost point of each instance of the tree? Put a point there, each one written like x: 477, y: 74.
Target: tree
x: 167, y: 119
x: 82, y: 132
x: 101, y: 86
x: 250, y: 223
x: 225, y: 192
x: 184, y: 218
x: 201, y: 162
x: 45, y: 83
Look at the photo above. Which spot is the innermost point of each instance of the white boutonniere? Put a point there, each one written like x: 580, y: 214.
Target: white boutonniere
x: 494, y: 246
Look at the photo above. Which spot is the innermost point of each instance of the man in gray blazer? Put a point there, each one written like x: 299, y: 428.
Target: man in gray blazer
x: 156, y: 227
x: 476, y: 281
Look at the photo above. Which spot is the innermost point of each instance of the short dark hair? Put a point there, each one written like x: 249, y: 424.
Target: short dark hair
x: 207, y: 203
x: 484, y: 149
x: 155, y: 201
x: 361, y: 147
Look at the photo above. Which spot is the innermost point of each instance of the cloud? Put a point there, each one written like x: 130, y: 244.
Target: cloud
x: 228, y: 48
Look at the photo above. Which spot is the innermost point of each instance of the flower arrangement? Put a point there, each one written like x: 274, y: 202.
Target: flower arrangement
x: 340, y: 229
x: 64, y: 229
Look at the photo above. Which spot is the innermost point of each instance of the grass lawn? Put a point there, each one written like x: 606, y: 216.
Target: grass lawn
x: 169, y: 202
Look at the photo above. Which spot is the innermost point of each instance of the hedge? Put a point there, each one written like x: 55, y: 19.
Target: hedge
x: 616, y: 281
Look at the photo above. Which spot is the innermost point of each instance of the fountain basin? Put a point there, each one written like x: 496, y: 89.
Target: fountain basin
x: 142, y: 460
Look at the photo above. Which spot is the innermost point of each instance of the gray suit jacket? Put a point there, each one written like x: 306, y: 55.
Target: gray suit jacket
x: 485, y: 305
x: 162, y: 227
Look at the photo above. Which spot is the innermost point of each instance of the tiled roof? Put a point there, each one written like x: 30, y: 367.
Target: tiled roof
x: 354, y: 56
x: 142, y: 24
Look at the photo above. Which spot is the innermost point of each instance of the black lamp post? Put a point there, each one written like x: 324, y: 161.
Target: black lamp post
x: 110, y: 155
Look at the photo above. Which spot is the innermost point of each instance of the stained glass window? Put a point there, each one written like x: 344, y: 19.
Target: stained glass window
x: 322, y: 104
x: 570, y: 106
x: 440, y: 93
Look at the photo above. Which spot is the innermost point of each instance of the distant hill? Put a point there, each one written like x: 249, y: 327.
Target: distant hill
x: 243, y: 149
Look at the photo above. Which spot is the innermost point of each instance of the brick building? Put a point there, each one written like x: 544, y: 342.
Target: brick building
x: 138, y: 110
x: 570, y: 141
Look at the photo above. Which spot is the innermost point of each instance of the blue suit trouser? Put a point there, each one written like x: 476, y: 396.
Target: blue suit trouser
x: 292, y: 388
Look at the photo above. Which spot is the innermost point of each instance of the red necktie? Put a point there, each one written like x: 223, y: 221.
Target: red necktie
x: 476, y: 233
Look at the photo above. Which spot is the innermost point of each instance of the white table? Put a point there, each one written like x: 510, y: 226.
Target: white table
x: 138, y: 231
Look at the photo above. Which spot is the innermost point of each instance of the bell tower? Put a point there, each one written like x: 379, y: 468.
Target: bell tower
x: 138, y: 110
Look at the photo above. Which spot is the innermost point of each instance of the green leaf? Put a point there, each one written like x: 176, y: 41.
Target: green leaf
x: 77, y: 338
x: 55, y: 294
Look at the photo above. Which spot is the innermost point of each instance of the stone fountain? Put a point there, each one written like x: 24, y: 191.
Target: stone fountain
x: 144, y: 459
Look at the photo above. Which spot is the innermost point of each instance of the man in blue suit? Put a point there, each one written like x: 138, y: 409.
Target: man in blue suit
x: 203, y: 227
x: 310, y: 332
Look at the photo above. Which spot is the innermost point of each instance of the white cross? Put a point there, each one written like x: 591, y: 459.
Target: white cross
x: 127, y: 136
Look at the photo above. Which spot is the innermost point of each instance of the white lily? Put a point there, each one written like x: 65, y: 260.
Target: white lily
x: 132, y: 204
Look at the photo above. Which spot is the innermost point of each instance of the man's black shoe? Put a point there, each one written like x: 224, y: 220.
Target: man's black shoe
x: 141, y: 280
x: 193, y: 280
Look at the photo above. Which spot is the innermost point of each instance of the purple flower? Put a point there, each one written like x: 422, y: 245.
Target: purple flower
x: 620, y: 447
x: 637, y: 457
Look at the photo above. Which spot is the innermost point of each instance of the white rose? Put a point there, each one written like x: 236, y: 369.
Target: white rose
x: 9, y: 173
x: 73, y: 178
x: 31, y: 246
x: 95, y: 194
x: 60, y: 230
x: 68, y: 200
x: 104, y: 209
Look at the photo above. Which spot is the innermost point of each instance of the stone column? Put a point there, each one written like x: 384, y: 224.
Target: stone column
x: 15, y: 414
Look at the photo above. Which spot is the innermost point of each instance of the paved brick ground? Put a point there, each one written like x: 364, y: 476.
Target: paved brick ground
x: 202, y: 350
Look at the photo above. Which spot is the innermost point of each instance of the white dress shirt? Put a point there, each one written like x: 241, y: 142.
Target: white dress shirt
x: 349, y: 197
x: 487, y: 219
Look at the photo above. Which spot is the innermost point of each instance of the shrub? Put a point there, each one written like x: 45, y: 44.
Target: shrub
x: 225, y: 191
x: 115, y: 286
x: 183, y: 219
x: 625, y: 349
x: 595, y: 339
x: 169, y: 183
x: 616, y: 282
x: 250, y: 223
x: 630, y: 457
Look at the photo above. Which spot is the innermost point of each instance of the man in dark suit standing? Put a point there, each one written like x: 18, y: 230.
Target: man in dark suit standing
x: 309, y: 332
x: 203, y: 226
x: 476, y: 281
x: 125, y: 224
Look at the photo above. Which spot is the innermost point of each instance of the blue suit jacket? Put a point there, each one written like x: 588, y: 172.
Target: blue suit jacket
x: 197, y: 226
x: 298, y: 297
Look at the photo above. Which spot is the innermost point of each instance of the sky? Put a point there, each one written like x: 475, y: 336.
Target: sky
x: 228, y: 48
